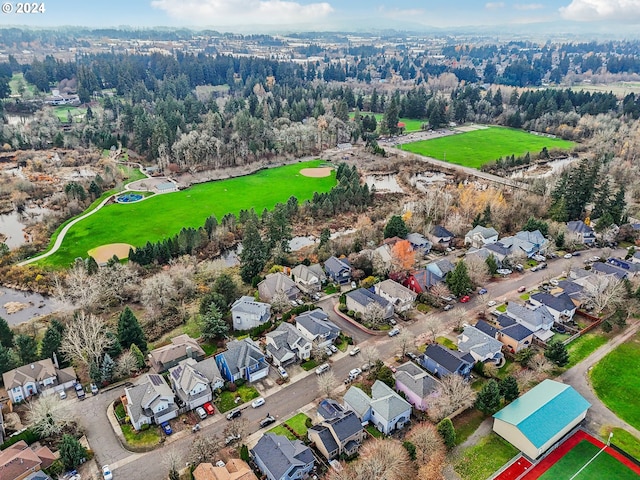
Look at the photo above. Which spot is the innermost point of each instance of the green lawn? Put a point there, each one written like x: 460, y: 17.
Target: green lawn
x: 309, y: 365
x: 467, y: 423
x: 14, y: 84
x: 486, y: 457
x: 478, y: 147
x: 623, y: 439
x: 374, y: 432
x: 297, y: 423
x: 226, y: 401
x: 615, y: 380
x: 281, y: 430
x: 165, y: 215
x: 63, y: 112
x: 502, y: 308
x: 131, y: 174
x: 604, y: 466
x: 410, y: 124
x: 584, y: 346
x: 446, y: 342
x: 143, y: 438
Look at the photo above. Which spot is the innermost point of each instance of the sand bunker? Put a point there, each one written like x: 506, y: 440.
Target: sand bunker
x: 103, y: 253
x: 15, y: 307
x: 316, y: 172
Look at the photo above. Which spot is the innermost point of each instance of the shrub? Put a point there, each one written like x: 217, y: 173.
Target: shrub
x: 244, y: 453
x: 240, y: 382
x: 342, y: 307
x: 28, y: 436
x: 410, y: 448
x: 230, y: 386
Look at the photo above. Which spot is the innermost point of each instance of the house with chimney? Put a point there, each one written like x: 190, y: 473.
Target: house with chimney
x: 338, y: 436
x: 287, y: 345
x: 180, y: 348
x: 34, y: 378
x: 277, y: 283
x: 19, y: 462
x: 194, y: 381
x: 401, y: 297
x: 309, y: 279
x: 316, y: 326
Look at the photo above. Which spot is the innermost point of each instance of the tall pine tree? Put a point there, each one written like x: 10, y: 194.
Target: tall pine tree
x: 130, y: 331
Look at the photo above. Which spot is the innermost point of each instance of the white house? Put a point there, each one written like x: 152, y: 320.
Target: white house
x: 480, y: 236
x: 539, y: 320
x: 150, y: 400
x: 482, y: 347
x: 190, y: 385
x: 560, y: 306
x: 287, y: 345
x: 309, y: 279
x: 248, y: 314
x: 316, y: 326
x: 35, y: 378
x: 400, y: 296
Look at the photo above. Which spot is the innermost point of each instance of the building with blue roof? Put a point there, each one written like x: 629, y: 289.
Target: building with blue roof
x: 538, y: 419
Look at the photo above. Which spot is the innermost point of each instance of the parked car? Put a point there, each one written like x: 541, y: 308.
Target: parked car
x: 231, y: 438
x: 106, y: 473
x: 322, y: 369
x: 542, y: 266
x: 79, y: 391
x: 333, y: 348
x: 234, y: 414
x: 412, y: 355
x: 394, y: 331
x: 328, y: 351
x: 595, y: 258
x: 355, y: 372
x: 209, y: 408
x: 283, y: 373
x: 62, y: 394
x: 258, y: 402
x: 504, y: 271
x: 354, y: 351
x: 535, y: 268
x: 491, y: 303
x: 448, y: 307
x: 268, y: 420
x: 539, y: 258
x: 367, y: 366
x: 447, y: 298
x: 567, y: 256
x: 166, y: 428
x: 554, y: 282
x: 465, y: 299
x: 577, y: 254
x: 94, y: 389
x: 521, y: 288
x: 482, y: 291
x: 519, y: 267
x: 201, y: 413
x: 392, y: 321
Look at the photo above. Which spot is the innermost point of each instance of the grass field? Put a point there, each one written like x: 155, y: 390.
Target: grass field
x: 616, y: 381
x: 410, y: 124
x: 604, y: 466
x: 226, y: 401
x: 624, y: 440
x: 487, y: 456
x: 165, y: 215
x: 297, y: 423
x: 63, y: 112
x: 479, y: 147
x: 584, y: 346
x: 17, y: 81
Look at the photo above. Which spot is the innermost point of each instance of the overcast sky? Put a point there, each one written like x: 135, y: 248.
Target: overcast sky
x: 326, y: 15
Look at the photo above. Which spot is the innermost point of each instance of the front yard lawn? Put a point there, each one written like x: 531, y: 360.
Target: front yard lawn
x: 447, y: 342
x: 375, y: 433
x: 310, y: 364
x: 282, y: 430
x: 226, y: 401
x: 143, y: 438
x: 502, y: 308
x: 487, y: 456
x: 297, y: 423
x: 584, y: 346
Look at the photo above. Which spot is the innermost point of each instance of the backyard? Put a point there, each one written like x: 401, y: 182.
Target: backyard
x: 487, y: 456
x: 479, y: 147
x: 584, y: 346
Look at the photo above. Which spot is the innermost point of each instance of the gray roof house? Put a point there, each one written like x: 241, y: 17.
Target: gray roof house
x: 286, y: 345
x: 441, y: 267
x: 441, y: 236
x: 385, y: 409
x: 358, y: 301
x: 538, y: 320
x: 308, y: 279
x: 35, y: 378
x: 528, y: 243
x: 191, y: 381
x: 180, y: 348
x: 609, y: 269
x: 401, y: 297
x: 482, y: 347
x: 242, y: 359
x: 316, y: 326
x: 341, y: 435
x: 560, y: 306
x: 582, y: 232
x: 416, y: 384
x: 383, y: 253
x: 338, y: 270
x: 150, y: 400
x: 278, y: 458
x: 442, y: 361
x: 248, y: 314
x: 419, y: 243
x: 277, y: 282
x: 480, y: 236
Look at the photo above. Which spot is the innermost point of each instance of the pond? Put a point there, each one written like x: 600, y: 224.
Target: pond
x: 18, y: 307
x: 12, y: 225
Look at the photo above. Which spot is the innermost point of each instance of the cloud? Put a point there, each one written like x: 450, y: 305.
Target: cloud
x: 494, y: 5
x: 400, y: 13
x: 243, y: 12
x: 627, y: 11
x: 528, y: 6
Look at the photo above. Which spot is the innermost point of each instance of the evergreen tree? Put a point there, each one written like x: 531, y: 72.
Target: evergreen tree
x: 557, y: 352
x: 8, y: 359
x: 396, y: 227
x: 212, y: 325
x: 6, y: 335
x: 212, y: 298
x: 601, y: 200
x: 560, y: 240
x: 27, y: 348
x: 130, y: 331
x: 618, y: 206
x: 488, y: 400
x: 107, y: 368
x: 447, y: 432
x: 51, y: 340
x: 532, y: 225
x: 509, y: 388
x: 137, y: 353
x: 227, y: 288
x: 253, y: 255
x: 492, y: 264
x: 458, y: 280
x: 115, y: 349
x: 389, y: 124
x: 72, y: 453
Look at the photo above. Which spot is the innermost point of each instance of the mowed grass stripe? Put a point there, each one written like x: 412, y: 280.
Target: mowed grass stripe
x: 165, y: 215
x: 478, y: 147
x: 410, y: 124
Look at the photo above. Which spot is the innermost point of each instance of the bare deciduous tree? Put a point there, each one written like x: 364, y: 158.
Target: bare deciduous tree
x: 427, y: 441
x: 204, y: 449
x: 432, y: 325
x: 440, y: 290
x: 280, y: 301
x: 237, y: 427
x: 374, y: 314
x: 477, y: 269
x: 172, y: 461
x: 370, y: 354
x: 452, y: 394
x: 327, y: 383
x: 383, y: 459
x: 48, y: 415
x: 460, y: 317
x: 158, y: 292
x: 540, y: 364
x: 604, y: 292
x: 85, y: 338
x: 126, y: 364
x: 525, y: 378
x: 405, y: 340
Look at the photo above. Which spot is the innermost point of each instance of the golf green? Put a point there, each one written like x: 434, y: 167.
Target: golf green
x: 165, y: 215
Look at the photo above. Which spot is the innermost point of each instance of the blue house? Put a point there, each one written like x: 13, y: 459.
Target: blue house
x: 442, y: 361
x: 419, y: 243
x: 242, y: 359
x: 338, y: 270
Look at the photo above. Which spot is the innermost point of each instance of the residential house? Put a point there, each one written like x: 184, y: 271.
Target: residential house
x: 560, y: 306
x: 18, y: 461
x: 538, y: 419
x: 242, y: 359
x: 248, y: 314
x: 572, y: 289
x: 234, y: 469
x: 150, y: 400
x: 629, y: 265
x: 360, y: 300
x: 422, y: 280
x: 34, y: 378
x: 180, y: 348
x: 287, y: 345
x: 608, y: 269
x: 328, y: 408
x: 539, y: 320
x: 316, y: 326
x: 190, y: 384
x: 416, y: 384
x: 482, y: 347
x: 275, y: 283
x: 581, y: 232
x: 442, y: 361
x: 279, y: 458
x: 383, y: 253
x: 338, y: 436
x: 636, y: 257
x: 402, y: 298
x: 441, y: 267
x: 526, y: 243
x: 338, y: 270
x: 535, y: 238
x: 440, y: 236
x: 498, y: 250
x: 515, y: 337
x: 308, y: 279
x: 419, y: 243
x: 385, y: 409
x: 480, y: 236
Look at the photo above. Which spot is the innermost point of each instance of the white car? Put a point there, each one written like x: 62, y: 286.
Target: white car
x: 62, y: 394
x: 258, y: 402
x: 322, y: 369
x: 355, y: 372
x: 106, y: 473
x: 333, y: 348
x: 567, y: 256
x: 283, y: 373
x: 201, y: 413
x: 492, y: 303
x: 394, y: 331
x: 354, y: 351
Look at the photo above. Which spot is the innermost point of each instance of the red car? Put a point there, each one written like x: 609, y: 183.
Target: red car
x: 209, y: 408
x: 465, y: 299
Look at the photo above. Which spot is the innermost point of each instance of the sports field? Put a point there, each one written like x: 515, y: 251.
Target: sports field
x: 410, y: 124
x: 164, y: 215
x: 478, y: 147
